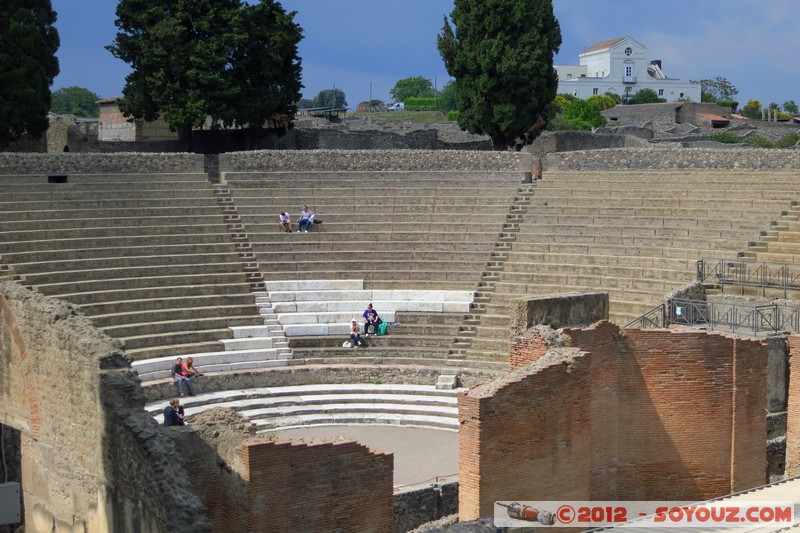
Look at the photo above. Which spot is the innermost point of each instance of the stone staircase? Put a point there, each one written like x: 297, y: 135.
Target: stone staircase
x: 463, y: 341
x: 414, y: 231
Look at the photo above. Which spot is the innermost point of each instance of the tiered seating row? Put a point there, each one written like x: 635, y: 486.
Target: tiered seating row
x: 149, y: 257
x: 391, y: 228
x: 316, y: 405
x: 635, y: 234
x: 324, y: 307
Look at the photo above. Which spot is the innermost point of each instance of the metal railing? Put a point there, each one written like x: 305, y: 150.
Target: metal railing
x: 654, y: 318
x: 743, y: 273
x: 741, y: 317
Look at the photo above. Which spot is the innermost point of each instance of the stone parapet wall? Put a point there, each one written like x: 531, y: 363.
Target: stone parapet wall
x: 675, y: 158
x: 377, y: 160
x: 98, y: 163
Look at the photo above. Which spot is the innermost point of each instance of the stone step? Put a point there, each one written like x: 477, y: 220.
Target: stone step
x: 148, y: 283
x: 123, y: 307
x: 127, y: 262
x: 122, y: 273
x: 161, y: 367
x: 112, y: 242
x: 171, y: 332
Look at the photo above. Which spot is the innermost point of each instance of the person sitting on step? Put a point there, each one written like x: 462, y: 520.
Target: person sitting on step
x: 371, y: 318
x: 355, y: 334
x: 305, y: 220
x: 284, y: 222
x: 189, y: 370
x: 180, y: 378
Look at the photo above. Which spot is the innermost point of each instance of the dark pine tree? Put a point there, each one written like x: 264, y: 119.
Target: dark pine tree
x: 500, y: 53
x: 28, y: 45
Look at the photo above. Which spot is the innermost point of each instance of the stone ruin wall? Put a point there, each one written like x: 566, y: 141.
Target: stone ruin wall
x: 251, y: 483
x: 97, y: 163
x: 620, y: 415
x: 92, y: 459
x: 374, y: 160
x: 675, y: 158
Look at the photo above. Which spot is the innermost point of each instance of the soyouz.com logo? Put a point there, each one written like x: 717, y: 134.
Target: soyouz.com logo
x: 587, y: 514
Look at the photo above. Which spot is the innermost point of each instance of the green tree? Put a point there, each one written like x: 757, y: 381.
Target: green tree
x: 501, y: 56
x: 718, y: 88
x: 752, y: 109
x: 223, y: 59
x: 28, y: 44
x: 305, y: 103
x: 775, y: 106
x: 265, y: 70
x: 561, y: 101
x: 330, y: 98
x: 790, y: 106
x: 449, y: 96
x: 415, y: 87
x: 75, y: 101
x: 603, y: 101
x: 646, y: 96
x: 584, y: 114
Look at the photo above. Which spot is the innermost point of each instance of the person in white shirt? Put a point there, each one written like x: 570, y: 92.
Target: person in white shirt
x: 305, y: 220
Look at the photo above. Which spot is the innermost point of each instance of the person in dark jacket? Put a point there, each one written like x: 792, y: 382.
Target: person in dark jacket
x: 173, y: 413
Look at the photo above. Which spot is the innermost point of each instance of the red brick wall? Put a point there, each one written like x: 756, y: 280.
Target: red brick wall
x: 525, y: 349
x: 749, y: 462
x: 676, y: 412
x: 523, y: 440
x: 339, y: 486
x: 793, y: 409
x: 641, y: 414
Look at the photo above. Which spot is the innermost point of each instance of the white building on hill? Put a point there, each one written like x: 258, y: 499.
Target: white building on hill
x: 621, y: 66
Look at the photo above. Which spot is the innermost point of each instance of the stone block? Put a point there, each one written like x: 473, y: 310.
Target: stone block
x: 242, y: 332
x: 300, y: 330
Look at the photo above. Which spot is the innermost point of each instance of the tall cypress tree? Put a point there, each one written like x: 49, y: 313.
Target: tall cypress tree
x: 501, y: 56
x: 194, y: 59
x: 28, y: 63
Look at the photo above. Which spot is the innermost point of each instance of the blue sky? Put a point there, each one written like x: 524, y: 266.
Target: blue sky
x: 364, y: 46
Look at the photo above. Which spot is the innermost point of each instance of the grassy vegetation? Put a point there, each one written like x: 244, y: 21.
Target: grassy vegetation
x: 419, y: 117
x: 728, y: 137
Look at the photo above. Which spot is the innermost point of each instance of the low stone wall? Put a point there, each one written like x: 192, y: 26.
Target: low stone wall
x: 376, y: 160
x: 676, y: 158
x: 96, y: 163
x: 573, y: 309
x: 421, y: 505
x: 568, y: 141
